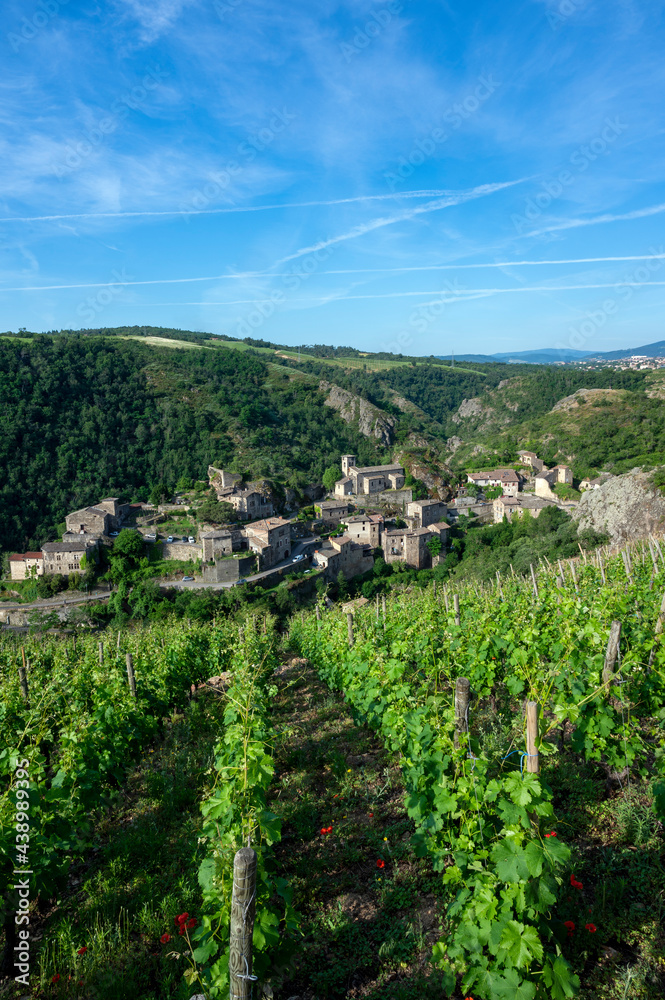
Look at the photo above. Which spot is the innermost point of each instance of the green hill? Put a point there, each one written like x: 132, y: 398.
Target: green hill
x: 92, y: 413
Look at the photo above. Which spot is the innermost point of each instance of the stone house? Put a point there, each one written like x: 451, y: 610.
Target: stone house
x: 426, y: 512
x: 217, y: 544
x: 371, y: 479
x: 104, y: 517
x: 507, y: 479
x: 530, y: 458
x: 344, y: 487
x: 332, y: 511
x: 509, y: 507
x: 250, y: 503
x: 343, y: 555
x: 270, y: 538
x: 407, y: 545
x: 547, y: 478
x: 26, y: 564
x: 594, y: 484
x: 365, y: 528
x: 64, y: 557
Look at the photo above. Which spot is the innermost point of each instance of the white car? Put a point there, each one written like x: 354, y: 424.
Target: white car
x: 192, y: 540
x: 170, y: 538
x: 296, y: 558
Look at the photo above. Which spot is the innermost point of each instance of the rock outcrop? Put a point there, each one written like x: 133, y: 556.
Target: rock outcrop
x: 625, y: 507
x: 471, y: 408
x: 372, y: 422
x: 583, y: 396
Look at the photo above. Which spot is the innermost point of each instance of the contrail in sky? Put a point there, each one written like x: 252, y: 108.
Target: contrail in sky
x: 243, y: 275
x: 233, y: 209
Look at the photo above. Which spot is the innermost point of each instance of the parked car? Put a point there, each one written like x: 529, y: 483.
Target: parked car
x: 170, y: 538
x: 297, y: 558
x: 187, y: 579
x: 184, y: 538
x: 113, y: 534
x: 191, y: 540
x: 150, y: 538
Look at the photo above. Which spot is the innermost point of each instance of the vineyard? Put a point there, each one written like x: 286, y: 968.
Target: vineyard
x: 496, y: 751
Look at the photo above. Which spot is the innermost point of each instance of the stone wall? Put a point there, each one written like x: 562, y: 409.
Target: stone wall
x: 229, y: 570
x: 392, y: 498
x: 182, y: 551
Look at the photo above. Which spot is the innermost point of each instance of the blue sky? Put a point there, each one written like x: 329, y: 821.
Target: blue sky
x: 405, y: 176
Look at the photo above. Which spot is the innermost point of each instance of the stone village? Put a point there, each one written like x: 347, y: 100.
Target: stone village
x: 349, y: 525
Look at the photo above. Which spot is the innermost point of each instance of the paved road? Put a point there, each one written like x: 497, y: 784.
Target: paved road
x: 50, y: 603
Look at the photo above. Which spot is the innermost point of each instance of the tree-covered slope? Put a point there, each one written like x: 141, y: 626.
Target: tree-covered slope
x: 85, y: 417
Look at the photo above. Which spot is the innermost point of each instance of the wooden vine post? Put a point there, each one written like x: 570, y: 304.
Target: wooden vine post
x: 349, y: 625
x: 533, y: 579
x: 456, y: 607
x: 612, y: 652
x: 657, y: 631
x: 383, y: 607
x: 318, y: 613
x: 445, y: 601
x: 243, y: 910
x: 572, y: 570
x: 532, y: 760
x: 462, y: 690
x: 498, y: 583
x: 101, y: 653
x: 130, y: 674
x: 23, y: 677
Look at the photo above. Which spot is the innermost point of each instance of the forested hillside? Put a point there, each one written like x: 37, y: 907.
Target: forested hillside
x: 84, y: 417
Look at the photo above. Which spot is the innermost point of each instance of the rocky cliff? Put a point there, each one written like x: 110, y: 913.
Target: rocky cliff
x: 372, y: 422
x: 625, y: 507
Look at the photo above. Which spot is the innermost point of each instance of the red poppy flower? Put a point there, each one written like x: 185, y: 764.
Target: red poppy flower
x: 181, y: 931
x: 370, y: 814
x: 380, y: 864
x: 575, y: 884
x: 165, y: 938
x: 591, y: 928
x: 552, y: 834
x: 191, y: 923
x: 55, y: 978
x: 82, y: 950
x: 182, y: 918
x: 570, y: 924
